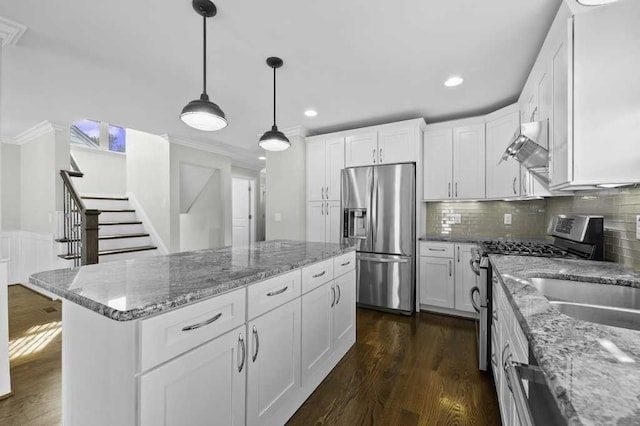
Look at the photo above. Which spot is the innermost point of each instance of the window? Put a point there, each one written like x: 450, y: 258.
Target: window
x: 99, y: 135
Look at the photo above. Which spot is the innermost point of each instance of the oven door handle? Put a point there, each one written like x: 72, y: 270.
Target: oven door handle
x: 475, y: 290
x: 475, y: 270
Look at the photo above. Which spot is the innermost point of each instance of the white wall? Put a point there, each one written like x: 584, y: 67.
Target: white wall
x: 105, y: 172
x: 147, y: 177
x: 203, y: 226
x: 180, y: 154
x: 286, y: 192
x: 10, y: 178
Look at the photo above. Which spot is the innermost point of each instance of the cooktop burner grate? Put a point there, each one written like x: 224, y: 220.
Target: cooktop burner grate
x: 523, y: 248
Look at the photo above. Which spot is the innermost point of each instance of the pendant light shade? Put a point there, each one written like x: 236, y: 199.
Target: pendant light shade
x: 202, y: 114
x: 274, y: 139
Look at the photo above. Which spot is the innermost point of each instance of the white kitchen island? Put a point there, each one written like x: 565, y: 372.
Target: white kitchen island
x: 228, y: 336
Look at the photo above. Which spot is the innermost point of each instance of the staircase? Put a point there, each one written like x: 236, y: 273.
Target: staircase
x: 121, y: 234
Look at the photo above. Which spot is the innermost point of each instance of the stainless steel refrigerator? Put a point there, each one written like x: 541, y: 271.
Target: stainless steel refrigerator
x: 378, y: 206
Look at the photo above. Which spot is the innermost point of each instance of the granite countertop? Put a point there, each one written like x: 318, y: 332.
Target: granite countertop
x: 137, y: 288
x: 591, y: 384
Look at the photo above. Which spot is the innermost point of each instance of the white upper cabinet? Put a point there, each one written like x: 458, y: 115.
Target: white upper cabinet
x: 438, y: 164
x: 362, y: 149
x: 503, y: 180
x: 469, y: 162
x: 398, y: 145
x: 325, y: 161
x: 454, y: 162
x: 385, y: 144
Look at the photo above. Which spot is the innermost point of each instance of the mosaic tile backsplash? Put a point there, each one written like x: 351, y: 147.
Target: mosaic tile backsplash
x: 530, y: 218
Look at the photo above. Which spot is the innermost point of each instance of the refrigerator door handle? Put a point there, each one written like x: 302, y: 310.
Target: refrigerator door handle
x: 384, y: 259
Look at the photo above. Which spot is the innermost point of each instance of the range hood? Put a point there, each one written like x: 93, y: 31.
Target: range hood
x: 528, y: 148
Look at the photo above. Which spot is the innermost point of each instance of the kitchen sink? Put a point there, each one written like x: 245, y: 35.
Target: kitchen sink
x: 607, y: 315
x: 608, y: 304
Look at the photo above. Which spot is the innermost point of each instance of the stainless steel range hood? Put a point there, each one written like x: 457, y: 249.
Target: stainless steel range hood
x: 528, y: 148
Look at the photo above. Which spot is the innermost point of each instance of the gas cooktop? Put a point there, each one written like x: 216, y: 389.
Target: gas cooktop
x: 523, y: 248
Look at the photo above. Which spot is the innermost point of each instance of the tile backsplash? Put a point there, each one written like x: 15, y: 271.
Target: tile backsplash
x: 530, y: 218
x: 486, y: 218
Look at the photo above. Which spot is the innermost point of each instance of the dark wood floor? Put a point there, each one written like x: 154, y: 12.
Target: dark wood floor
x: 35, y: 351
x: 418, y: 370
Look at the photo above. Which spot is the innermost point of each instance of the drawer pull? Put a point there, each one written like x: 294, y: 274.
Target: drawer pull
x: 439, y: 249
x: 275, y: 293
x: 345, y: 263
x: 319, y: 275
x: 203, y: 323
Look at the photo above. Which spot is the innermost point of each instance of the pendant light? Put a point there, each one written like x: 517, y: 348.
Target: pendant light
x: 202, y: 114
x: 274, y: 139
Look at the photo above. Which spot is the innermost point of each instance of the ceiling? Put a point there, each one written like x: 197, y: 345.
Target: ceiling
x: 357, y: 62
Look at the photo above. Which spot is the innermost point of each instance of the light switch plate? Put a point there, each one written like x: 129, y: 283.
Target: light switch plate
x: 638, y: 227
x: 458, y: 218
x: 507, y: 218
x: 277, y: 217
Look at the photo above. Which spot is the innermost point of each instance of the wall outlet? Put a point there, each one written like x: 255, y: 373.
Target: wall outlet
x: 277, y: 217
x: 638, y: 227
x: 507, y: 218
x: 457, y: 218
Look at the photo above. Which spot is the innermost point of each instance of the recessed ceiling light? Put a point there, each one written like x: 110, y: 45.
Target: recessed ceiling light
x: 454, y: 81
x: 311, y: 113
x: 595, y: 2
x: 262, y: 157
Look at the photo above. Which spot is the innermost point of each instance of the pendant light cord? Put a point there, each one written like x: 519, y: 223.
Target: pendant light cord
x: 204, y: 54
x: 274, y: 97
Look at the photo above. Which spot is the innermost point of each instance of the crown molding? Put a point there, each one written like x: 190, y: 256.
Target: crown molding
x: 202, y: 146
x: 10, y: 32
x: 38, y: 130
x: 296, y: 131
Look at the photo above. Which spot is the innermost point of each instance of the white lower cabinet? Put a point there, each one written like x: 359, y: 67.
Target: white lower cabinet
x: 344, y: 324
x: 446, y: 278
x: 203, y: 387
x: 274, y: 365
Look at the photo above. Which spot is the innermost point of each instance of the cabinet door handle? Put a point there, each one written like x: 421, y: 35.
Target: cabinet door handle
x: 203, y: 323
x: 333, y: 300
x: 380, y: 155
x: 345, y: 263
x: 319, y: 275
x: 244, y: 352
x: 374, y: 156
x: 275, y: 293
x: 257, y: 340
x: 449, y: 189
x: 515, y: 192
x: 322, y: 209
x: 458, y: 254
x: 456, y: 189
x: 339, y: 293
x: 450, y: 267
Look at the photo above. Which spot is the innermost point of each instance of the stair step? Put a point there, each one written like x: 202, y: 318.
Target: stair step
x: 104, y: 197
x: 129, y: 222
x: 126, y: 250
x: 117, y: 210
x: 117, y: 236
x: 110, y: 252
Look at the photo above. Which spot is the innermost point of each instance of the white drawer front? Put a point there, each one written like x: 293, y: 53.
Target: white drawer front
x: 271, y: 293
x: 170, y: 334
x: 435, y: 249
x: 317, y: 274
x: 344, y: 264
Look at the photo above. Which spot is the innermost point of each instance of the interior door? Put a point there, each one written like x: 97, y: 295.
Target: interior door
x: 241, y: 210
x: 438, y: 164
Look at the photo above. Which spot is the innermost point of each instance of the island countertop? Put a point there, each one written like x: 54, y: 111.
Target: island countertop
x: 591, y: 384
x: 137, y: 288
